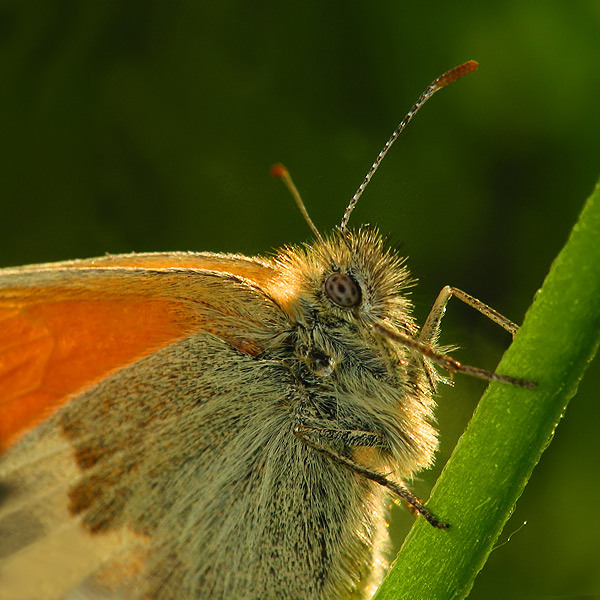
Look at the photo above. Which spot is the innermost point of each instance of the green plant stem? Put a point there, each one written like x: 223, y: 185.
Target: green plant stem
x: 510, y: 429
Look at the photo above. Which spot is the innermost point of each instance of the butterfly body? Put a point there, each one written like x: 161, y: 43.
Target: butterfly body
x: 178, y: 426
x: 179, y: 470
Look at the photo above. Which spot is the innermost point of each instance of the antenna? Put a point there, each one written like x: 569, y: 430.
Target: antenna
x: 438, y: 84
x: 282, y: 173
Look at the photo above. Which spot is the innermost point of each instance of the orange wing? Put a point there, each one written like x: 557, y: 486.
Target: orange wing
x: 64, y: 326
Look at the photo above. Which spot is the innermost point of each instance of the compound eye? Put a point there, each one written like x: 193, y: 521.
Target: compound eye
x: 343, y: 290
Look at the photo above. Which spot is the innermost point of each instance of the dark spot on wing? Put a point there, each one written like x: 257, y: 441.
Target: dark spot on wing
x: 18, y: 530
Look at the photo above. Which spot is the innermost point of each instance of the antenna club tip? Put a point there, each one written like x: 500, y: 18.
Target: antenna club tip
x: 456, y: 73
x: 279, y: 171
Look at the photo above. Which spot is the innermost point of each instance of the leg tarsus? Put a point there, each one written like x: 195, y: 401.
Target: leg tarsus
x: 398, y: 489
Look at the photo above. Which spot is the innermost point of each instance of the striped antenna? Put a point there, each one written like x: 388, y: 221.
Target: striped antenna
x: 438, y: 84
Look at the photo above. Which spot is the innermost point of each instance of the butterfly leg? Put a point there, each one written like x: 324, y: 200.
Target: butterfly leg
x: 314, y: 437
x: 431, y: 329
x: 427, y: 340
x: 447, y: 362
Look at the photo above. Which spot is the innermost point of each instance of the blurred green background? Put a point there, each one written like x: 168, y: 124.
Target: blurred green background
x: 152, y: 126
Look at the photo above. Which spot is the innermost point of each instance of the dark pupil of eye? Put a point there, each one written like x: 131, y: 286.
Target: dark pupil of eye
x: 342, y: 290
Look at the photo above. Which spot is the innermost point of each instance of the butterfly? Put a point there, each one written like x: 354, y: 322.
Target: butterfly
x: 212, y: 426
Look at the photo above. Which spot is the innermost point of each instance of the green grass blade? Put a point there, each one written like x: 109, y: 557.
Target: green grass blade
x: 510, y: 429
